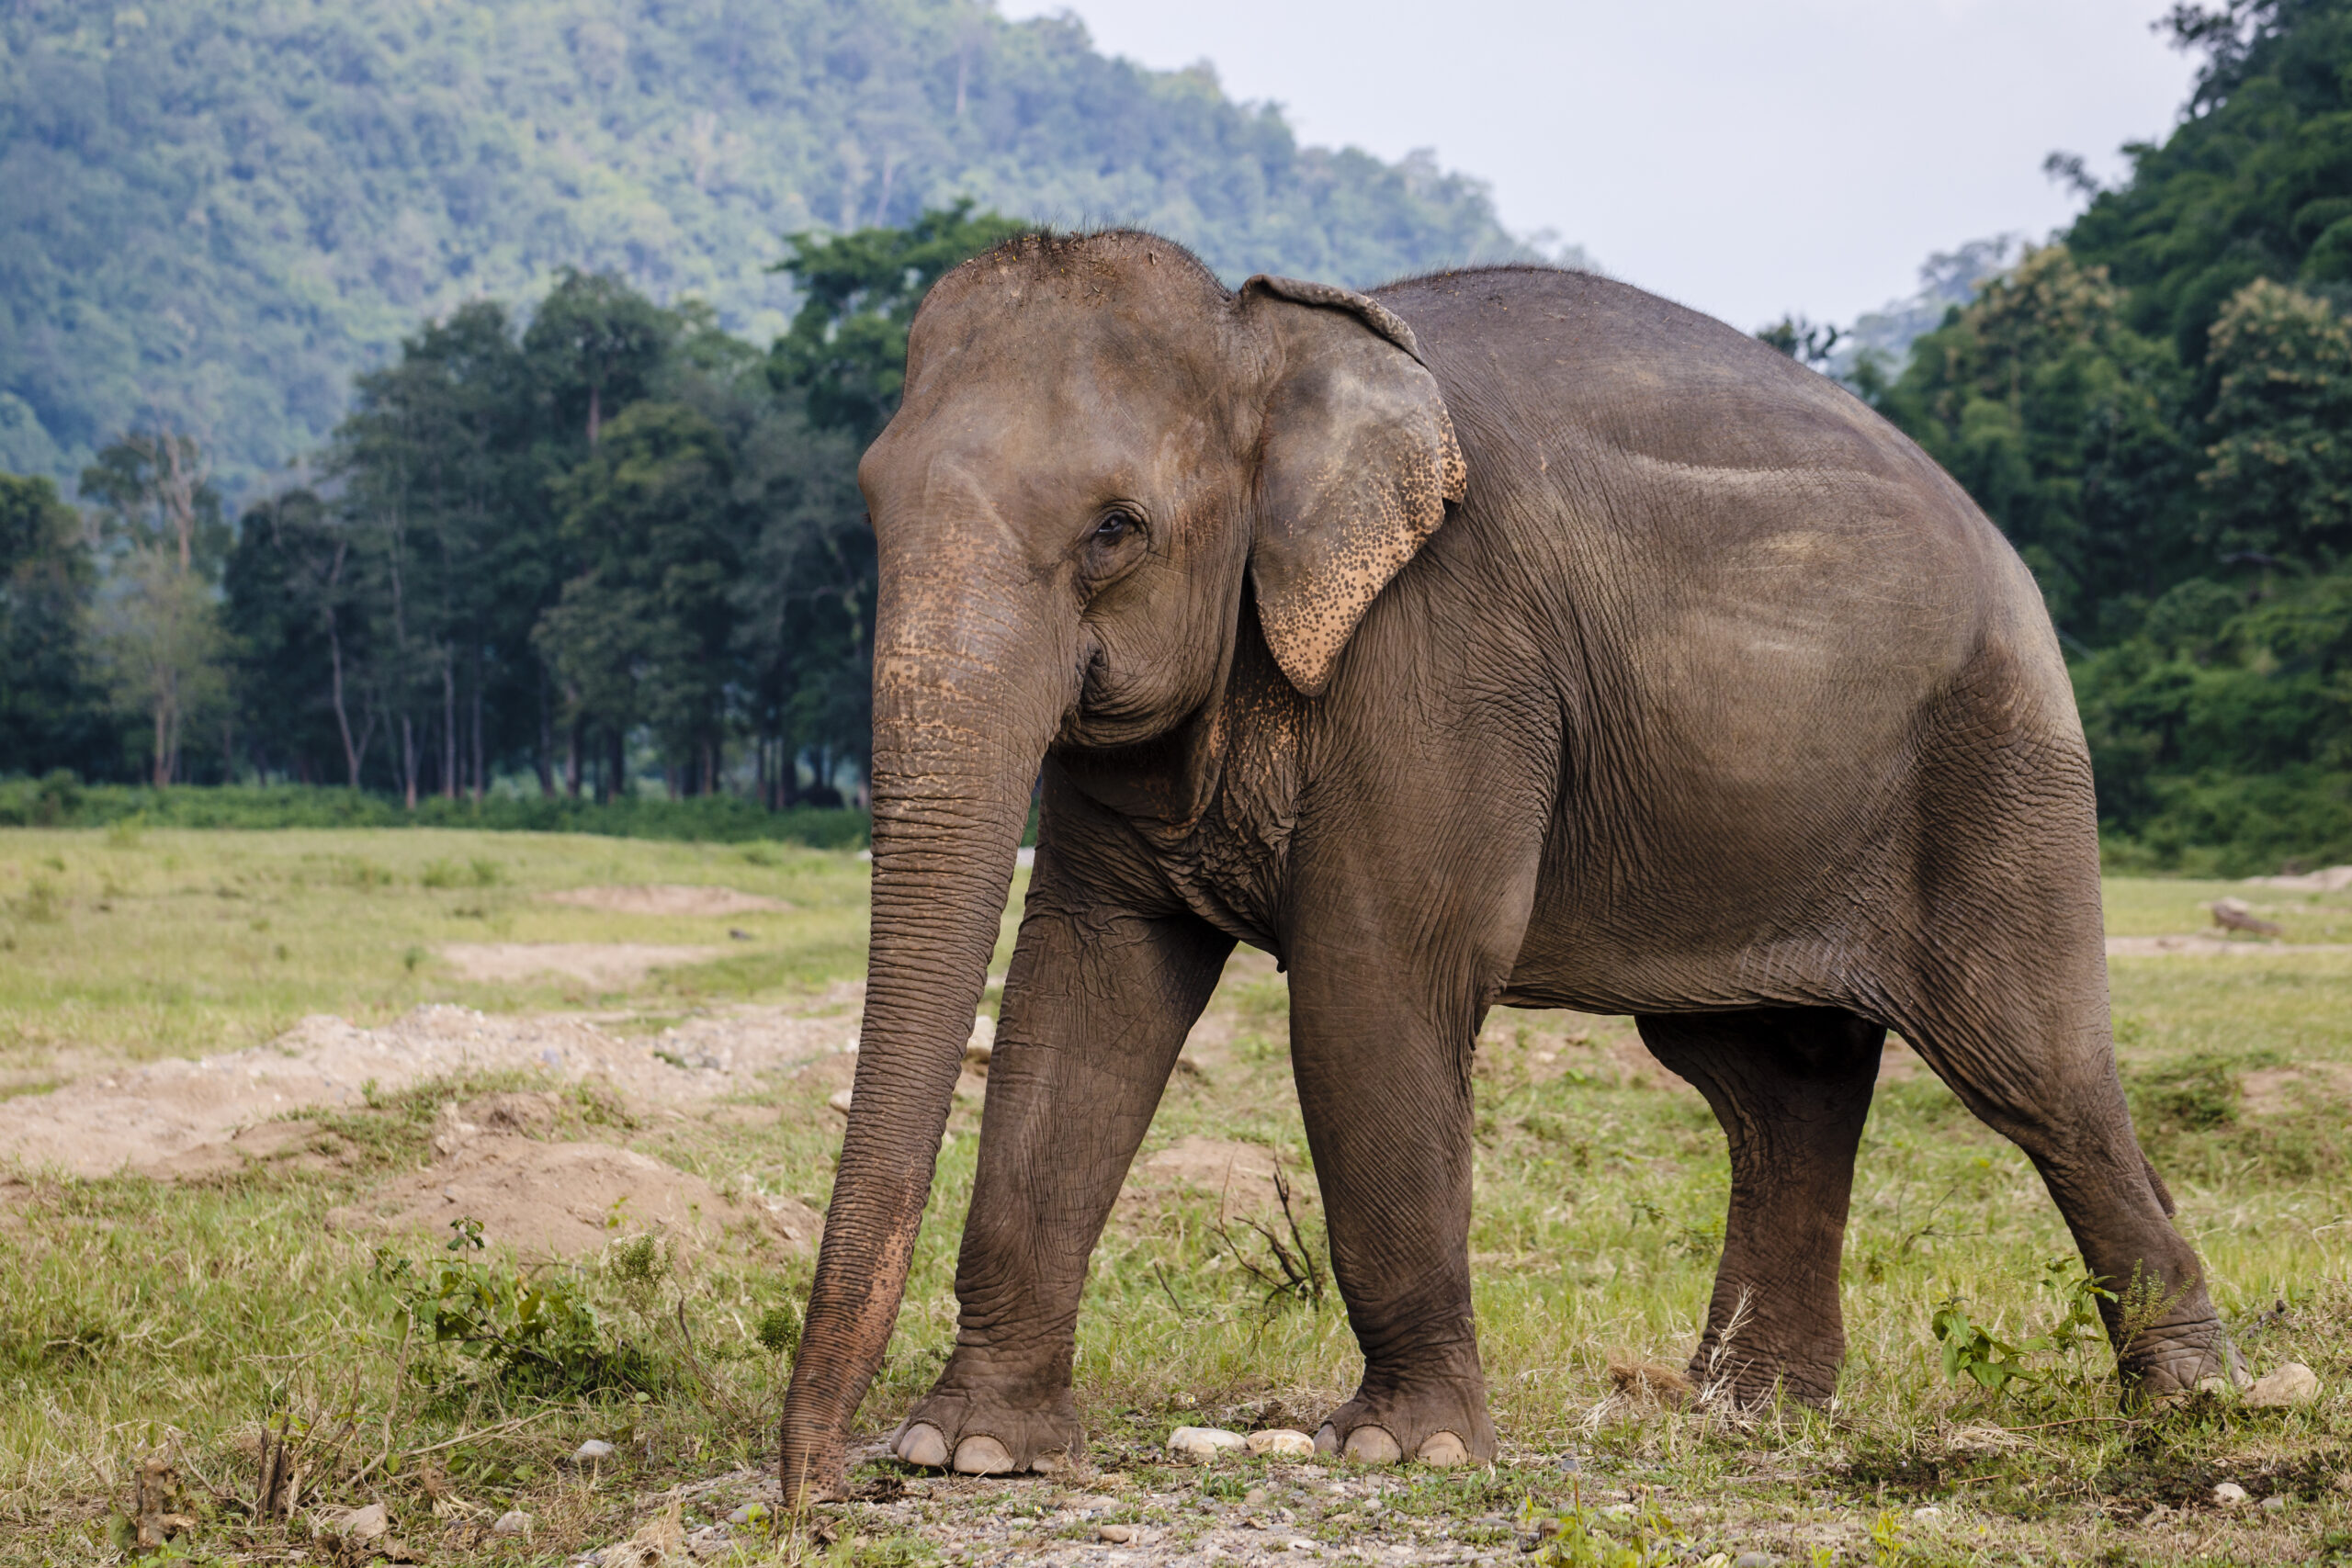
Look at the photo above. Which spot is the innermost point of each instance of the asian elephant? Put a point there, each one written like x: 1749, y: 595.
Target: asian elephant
x: 1507, y: 636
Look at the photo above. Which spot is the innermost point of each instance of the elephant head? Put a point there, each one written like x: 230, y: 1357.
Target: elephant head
x: 1099, y: 452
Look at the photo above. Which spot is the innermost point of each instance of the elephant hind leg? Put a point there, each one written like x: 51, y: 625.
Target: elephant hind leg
x: 1792, y: 1086
x: 2034, y: 1063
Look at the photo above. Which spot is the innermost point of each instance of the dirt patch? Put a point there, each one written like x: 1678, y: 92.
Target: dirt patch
x: 1242, y: 1176
x: 668, y: 898
x: 569, y: 1199
x: 2201, y: 944
x: 300, y: 1145
x: 607, y: 965
x: 2273, y: 1091
x: 144, y: 1117
x: 2335, y: 879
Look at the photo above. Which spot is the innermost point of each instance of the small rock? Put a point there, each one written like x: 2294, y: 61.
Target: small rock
x: 1753, y: 1560
x: 840, y: 1100
x: 748, y: 1514
x: 1201, y: 1444
x: 2229, y: 1494
x: 359, y: 1524
x: 513, y: 1521
x: 1297, y: 1545
x: 1281, y: 1441
x: 592, y: 1451
x: 2275, y: 1504
x: 1255, y: 1495
x: 982, y: 1045
x: 1619, y: 1510
x: 1117, y: 1535
x: 2293, y: 1384
x: 1930, y: 1512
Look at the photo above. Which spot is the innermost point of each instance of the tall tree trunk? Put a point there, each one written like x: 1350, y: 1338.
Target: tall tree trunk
x: 572, y: 761
x: 481, y: 768
x: 448, y: 724
x: 543, y: 757
x: 408, y: 762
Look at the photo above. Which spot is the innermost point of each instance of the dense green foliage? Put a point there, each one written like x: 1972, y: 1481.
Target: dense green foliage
x: 2157, y: 410
x: 218, y: 210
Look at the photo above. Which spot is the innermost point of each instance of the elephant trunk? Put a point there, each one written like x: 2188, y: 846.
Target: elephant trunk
x: 958, y: 736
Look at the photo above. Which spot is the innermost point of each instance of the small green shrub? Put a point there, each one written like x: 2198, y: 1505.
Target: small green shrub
x: 535, y: 1334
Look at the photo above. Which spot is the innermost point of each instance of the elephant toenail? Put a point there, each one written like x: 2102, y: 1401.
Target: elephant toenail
x: 982, y: 1456
x: 1444, y: 1448
x: 1050, y: 1464
x: 925, y: 1445
x: 1327, y: 1441
x: 1373, y: 1445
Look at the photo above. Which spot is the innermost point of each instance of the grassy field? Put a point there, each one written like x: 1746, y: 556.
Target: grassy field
x: 139, y: 1318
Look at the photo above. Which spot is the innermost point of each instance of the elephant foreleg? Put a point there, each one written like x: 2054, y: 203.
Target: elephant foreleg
x: 1096, y: 1009
x: 1792, y: 1086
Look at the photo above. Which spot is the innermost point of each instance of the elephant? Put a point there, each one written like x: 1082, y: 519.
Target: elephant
x: 1506, y: 635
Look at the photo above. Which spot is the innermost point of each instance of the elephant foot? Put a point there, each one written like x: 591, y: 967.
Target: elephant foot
x: 1441, y: 1427
x: 2179, y: 1359
x: 972, y: 1433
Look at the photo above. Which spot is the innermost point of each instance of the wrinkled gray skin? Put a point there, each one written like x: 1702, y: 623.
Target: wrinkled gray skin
x: 1551, y: 647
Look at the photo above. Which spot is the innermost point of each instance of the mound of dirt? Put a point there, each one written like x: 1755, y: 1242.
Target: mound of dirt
x: 607, y: 965
x: 569, y: 1199
x: 668, y: 898
x: 146, y: 1116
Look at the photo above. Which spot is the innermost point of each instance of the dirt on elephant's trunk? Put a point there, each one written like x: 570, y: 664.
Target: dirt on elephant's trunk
x: 956, y: 750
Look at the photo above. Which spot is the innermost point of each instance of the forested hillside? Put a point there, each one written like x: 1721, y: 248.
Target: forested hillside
x: 218, y: 212
x: 2157, y: 410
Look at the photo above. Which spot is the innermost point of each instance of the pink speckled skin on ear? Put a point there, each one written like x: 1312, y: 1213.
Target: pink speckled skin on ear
x: 1358, y: 462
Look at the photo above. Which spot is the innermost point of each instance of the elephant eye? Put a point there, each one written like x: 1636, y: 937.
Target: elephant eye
x: 1116, y: 527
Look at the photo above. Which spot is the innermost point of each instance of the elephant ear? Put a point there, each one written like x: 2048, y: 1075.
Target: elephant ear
x: 1357, y: 463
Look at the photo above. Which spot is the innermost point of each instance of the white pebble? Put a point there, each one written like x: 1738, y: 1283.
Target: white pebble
x: 514, y: 1521
x: 2293, y: 1384
x: 2276, y: 1504
x: 2229, y: 1494
x: 1117, y: 1535
x: 840, y: 1100
x: 1930, y: 1512
x: 593, y: 1449
x: 1203, y: 1443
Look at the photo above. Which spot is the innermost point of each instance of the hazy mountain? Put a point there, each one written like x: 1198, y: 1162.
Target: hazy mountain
x: 218, y: 209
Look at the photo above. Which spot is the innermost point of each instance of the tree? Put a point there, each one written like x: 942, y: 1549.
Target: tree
x: 52, y: 714
x: 300, y: 654
x: 160, y: 521
x: 2280, y: 480
x: 160, y: 632
x: 155, y: 489
x: 643, y: 634
x: 847, y: 349
x: 454, y: 550
x: 594, y: 345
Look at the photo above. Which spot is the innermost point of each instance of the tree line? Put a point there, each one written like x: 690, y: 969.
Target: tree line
x: 606, y: 539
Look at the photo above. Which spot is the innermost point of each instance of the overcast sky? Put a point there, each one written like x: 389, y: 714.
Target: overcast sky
x: 1749, y: 157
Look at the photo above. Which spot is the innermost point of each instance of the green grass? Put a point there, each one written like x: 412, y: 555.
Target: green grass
x: 140, y: 942
x: 139, y: 1317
